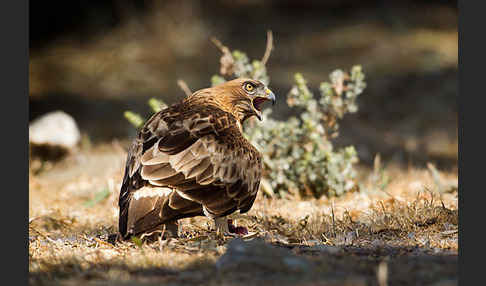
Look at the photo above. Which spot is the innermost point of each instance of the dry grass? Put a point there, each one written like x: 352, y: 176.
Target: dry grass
x: 397, y: 218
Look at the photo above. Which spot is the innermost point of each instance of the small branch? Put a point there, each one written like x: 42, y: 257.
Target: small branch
x: 32, y: 219
x: 160, y: 239
x: 220, y: 46
x: 393, y: 197
x: 333, y: 220
x: 99, y: 241
x: 185, y: 88
x: 269, y: 47
x: 436, y: 176
x: 42, y: 234
x: 227, y: 61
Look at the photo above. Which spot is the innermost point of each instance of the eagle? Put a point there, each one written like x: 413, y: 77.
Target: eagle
x: 192, y: 159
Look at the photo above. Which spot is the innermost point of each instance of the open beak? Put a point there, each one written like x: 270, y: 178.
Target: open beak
x: 258, y: 101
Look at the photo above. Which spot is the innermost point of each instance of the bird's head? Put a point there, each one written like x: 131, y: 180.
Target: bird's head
x: 243, y: 97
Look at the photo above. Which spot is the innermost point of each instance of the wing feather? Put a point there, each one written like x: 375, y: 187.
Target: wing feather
x: 225, y: 158
x: 158, y: 172
x: 199, y: 169
x: 206, y: 177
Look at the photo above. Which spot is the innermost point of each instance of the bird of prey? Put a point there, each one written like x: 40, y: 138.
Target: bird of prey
x: 191, y: 159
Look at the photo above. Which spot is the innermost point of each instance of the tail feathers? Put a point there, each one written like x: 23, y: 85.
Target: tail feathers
x: 144, y: 209
x: 149, y: 207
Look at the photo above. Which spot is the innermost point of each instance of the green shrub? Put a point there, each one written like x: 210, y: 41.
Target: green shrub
x: 298, y: 154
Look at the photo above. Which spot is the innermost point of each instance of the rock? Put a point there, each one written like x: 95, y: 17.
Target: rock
x: 256, y: 255
x: 326, y: 248
x: 53, y: 134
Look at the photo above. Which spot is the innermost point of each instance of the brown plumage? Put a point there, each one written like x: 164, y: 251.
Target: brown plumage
x: 191, y: 159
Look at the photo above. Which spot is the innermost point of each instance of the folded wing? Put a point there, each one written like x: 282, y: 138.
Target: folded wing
x: 200, y: 154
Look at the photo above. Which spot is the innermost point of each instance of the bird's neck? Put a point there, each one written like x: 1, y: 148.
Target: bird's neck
x: 223, y: 101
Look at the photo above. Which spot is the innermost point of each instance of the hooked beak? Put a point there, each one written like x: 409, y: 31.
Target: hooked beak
x: 260, y: 99
x: 270, y: 96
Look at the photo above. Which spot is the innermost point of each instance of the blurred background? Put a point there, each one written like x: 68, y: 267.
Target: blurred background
x: 96, y: 59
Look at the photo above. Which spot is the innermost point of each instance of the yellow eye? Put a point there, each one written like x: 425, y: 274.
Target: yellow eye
x: 249, y: 87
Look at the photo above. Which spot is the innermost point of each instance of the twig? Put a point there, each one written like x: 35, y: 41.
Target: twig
x: 306, y: 243
x: 384, y: 211
x: 269, y: 47
x: 160, y: 238
x: 431, y: 198
x: 220, y: 46
x: 103, y: 242
x: 377, y: 165
x: 185, y: 88
x: 383, y: 207
x: 449, y: 232
x: 32, y: 219
x: 266, y: 188
x: 333, y: 221
x: 227, y: 61
x: 393, y: 197
x: 42, y: 234
x: 436, y: 176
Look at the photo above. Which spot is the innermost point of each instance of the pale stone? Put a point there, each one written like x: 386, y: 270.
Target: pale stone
x: 57, y: 129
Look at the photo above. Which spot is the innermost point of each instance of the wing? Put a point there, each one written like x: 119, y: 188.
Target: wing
x: 201, y: 154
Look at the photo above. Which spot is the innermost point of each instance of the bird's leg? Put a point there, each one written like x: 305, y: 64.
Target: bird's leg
x: 225, y: 226
x: 221, y: 224
x: 172, y: 229
x: 240, y: 230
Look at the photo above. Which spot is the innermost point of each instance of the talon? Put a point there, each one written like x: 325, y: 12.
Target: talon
x: 240, y: 230
x: 225, y: 227
x: 231, y: 226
